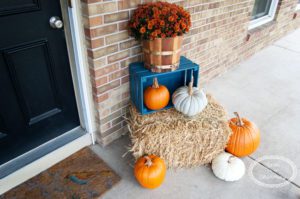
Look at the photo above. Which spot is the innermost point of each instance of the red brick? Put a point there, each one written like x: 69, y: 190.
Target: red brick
x: 100, y: 81
x: 118, y: 74
x: 104, y: 30
x: 125, y: 4
x: 123, y: 26
x: 105, y: 70
x: 116, y: 37
x: 95, y: 43
x: 118, y: 56
x: 102, y: 51
x: 99, y: 8
x: 108, y: 86
x: 129, y: 44
x: 92, y: 21
x: 116, y: 17
x: 125, y: 79
x: 101, y: 98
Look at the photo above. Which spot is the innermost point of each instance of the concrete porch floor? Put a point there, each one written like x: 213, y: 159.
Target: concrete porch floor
x: 264, y: 89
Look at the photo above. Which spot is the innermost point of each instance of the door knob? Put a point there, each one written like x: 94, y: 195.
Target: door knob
x: 56, y: 22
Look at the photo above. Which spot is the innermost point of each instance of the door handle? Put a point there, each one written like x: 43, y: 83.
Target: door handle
x: 55, y: 22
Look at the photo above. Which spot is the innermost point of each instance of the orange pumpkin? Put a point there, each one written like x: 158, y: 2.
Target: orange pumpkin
x: 150, y: 171
x: 245, y: 137
x: 156, y: 96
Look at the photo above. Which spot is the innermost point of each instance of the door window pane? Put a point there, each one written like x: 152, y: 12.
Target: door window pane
x: 261, y: 8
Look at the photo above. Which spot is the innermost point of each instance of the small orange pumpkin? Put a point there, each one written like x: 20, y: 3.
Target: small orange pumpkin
x: 156, y: 96
x: 150, y: 171
x: 245, y: 137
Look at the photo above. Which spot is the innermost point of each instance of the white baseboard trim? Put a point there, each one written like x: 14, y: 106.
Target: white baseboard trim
x: 43, y: 163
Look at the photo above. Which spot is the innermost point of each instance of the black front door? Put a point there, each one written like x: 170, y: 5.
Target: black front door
x: 37, y: 101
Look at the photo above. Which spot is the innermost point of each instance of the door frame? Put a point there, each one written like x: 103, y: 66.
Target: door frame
x: 75, y: 39
x: 83, y: 135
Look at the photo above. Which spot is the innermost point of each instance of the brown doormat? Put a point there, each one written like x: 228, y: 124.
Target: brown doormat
x: 82, y: 175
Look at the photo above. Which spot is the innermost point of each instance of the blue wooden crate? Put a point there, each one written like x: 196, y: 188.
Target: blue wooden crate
x: 141, y: 78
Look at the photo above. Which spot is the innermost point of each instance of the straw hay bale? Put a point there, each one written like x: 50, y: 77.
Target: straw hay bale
x: 179, y: 140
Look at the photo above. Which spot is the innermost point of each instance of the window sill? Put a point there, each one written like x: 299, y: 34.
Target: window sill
x: 260, y: 22
x: 254, y: 32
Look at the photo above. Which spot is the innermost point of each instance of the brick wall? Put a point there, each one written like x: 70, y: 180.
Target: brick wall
x: 219, y: 39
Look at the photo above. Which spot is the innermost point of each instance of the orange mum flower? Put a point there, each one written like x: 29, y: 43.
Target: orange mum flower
x: 164, y: 11
x: 159, y: 19
x: 171, y: 18
x: 174, y: 12
x: 176, y: 27
x: 154, y: 34
x: 155, y: 9
x: 150, y: 26
x: 183, y: 25
x: 142, y: 30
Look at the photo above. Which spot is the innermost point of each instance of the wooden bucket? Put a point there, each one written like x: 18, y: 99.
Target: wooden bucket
x: 162, y: 54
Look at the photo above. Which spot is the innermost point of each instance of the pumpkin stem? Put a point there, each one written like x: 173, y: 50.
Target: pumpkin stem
x: 155, y: 83
x: 148, y: 161
x: 239, y: 122
x: 191, y: 86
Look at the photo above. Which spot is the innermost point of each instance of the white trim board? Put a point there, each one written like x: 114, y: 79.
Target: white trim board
x: 80, y: 73
x: 43, y: 163
x: 265, y: 19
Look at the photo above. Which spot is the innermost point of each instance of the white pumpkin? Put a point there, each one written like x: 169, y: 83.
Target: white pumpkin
x: 228, y: 167
x: 189, y: 100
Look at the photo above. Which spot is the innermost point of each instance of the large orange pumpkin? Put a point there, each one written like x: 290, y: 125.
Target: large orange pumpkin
x: 156, y: 96
x: 245, y: 137
x: 150, y: 171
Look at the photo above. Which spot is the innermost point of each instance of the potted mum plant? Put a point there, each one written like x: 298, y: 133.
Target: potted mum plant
x: 160, y: 26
